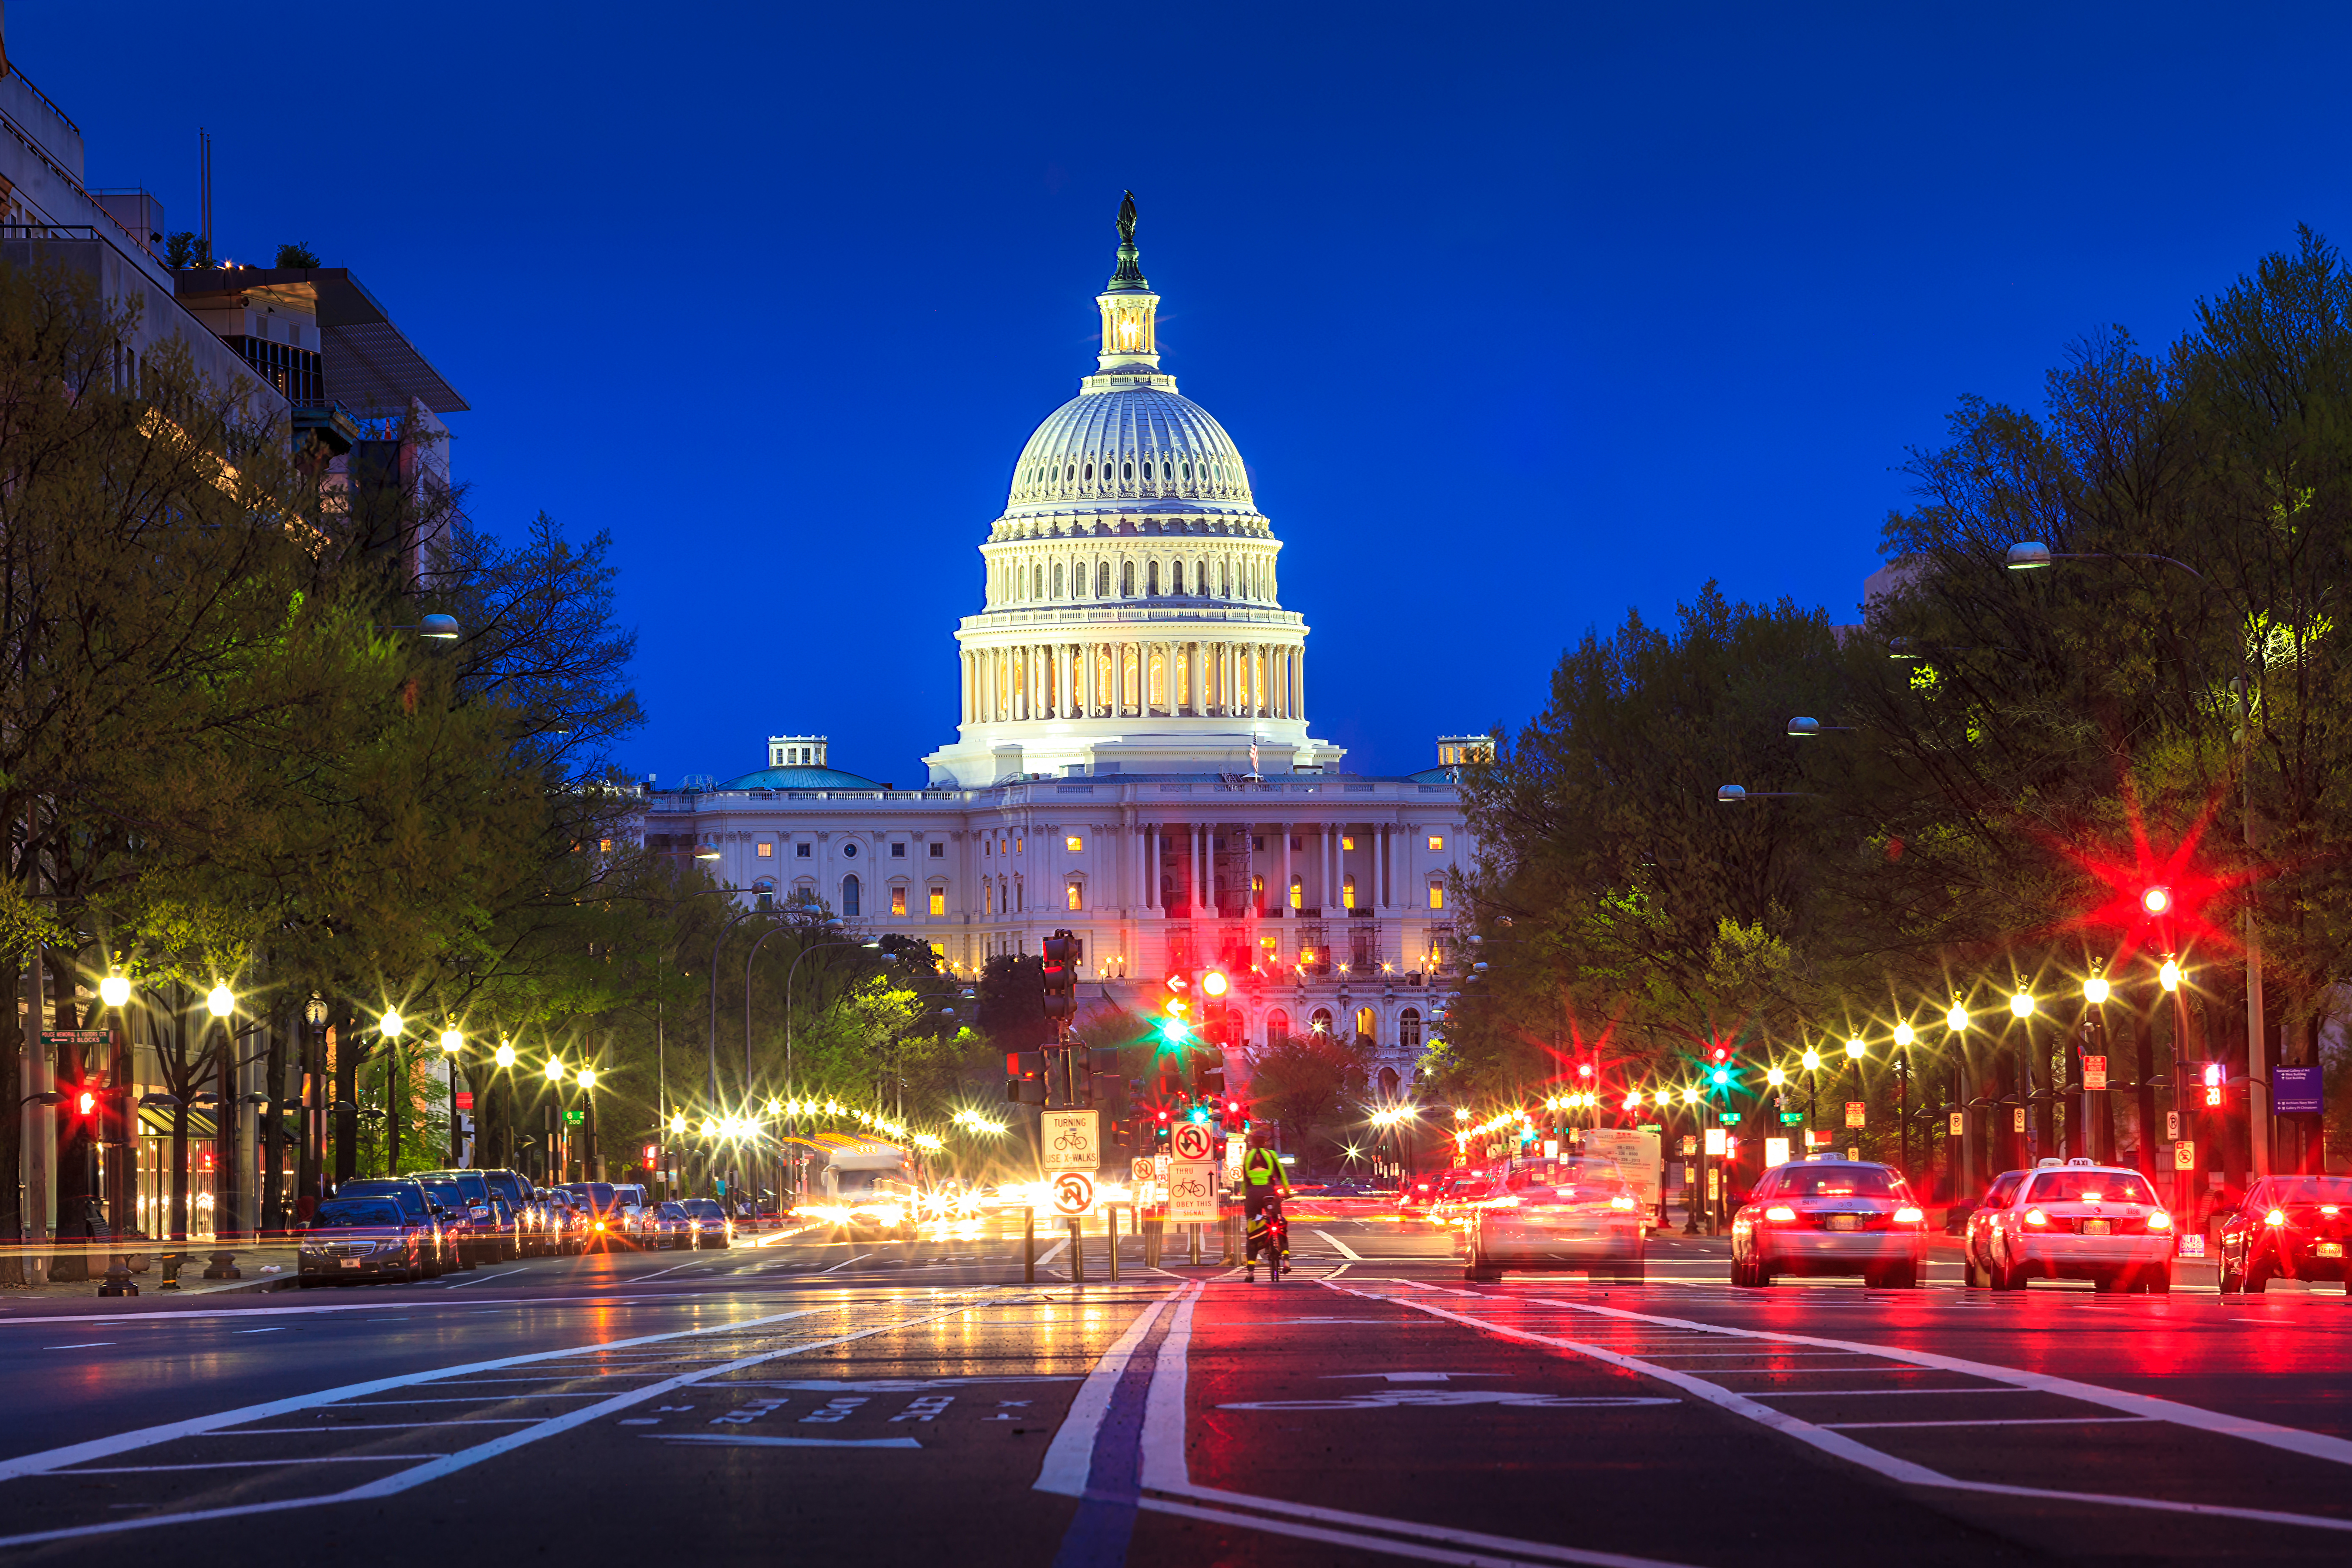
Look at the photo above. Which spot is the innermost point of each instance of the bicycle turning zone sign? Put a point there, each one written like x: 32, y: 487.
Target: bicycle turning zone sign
x: 1072, y: 1140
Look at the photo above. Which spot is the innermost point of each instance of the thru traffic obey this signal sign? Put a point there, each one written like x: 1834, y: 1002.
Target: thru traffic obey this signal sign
x: 1192, y: 1141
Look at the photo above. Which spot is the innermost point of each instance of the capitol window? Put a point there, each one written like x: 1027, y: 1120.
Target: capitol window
x: 1102, y: 579
x: 1127, y: 470
x: 1057, y: 579
x: 1437, y: 841
x: 1074, y: 845
x: 1437, y: 893
x: 1151, y: 580
x: 1297, y: 887
x: 766, y: 849
x: 1126, y: 579
x: 939, y: 900
x: 938, y: 851
x: 803, y: 851
x: 898, y: 900
x: 1076, y: 895
x: 898, y: 851
x: 1346, y: 892
x: 849, y: 907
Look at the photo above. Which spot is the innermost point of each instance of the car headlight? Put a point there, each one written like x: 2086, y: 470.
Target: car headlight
x: 2277, y: 1216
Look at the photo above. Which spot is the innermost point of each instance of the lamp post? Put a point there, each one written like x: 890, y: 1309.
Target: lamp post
x: 1903, y: 1038
x: 221, y: 1002
x: 2095, y: 1127
x: 114, y: 992
x: 2028, y: 1137
x: 390, y: 1026
x: 1964, y: 1164
x: 558, y: 1139
x: 452, y: 1042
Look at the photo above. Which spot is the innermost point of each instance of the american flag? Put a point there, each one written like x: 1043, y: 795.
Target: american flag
x: 1253, y: 756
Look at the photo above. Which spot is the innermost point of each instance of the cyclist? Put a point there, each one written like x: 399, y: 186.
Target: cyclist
x: 1264, y: 1186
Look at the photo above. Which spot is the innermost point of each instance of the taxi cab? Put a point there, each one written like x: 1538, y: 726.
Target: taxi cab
x: 2079, y: 1220
x: 1566, y: 1212
x: 1828, y: 1215
x: 2289, y: 1227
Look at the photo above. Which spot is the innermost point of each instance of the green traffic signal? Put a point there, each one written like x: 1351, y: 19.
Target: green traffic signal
x: 1175, y: 1031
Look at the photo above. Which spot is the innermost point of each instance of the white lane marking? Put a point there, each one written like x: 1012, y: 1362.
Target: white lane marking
x: 374, y: 1427
x: 847, y: 1261
x: 278, y: 1330
x: 1346, y: 1251
x: 87, y: 1345
x: 1869, y: 1393
x: 660, y: 1272
x: 392, y: 1486
x: 244, y: 1464
x: 2015, y: 1421
x: 1070, y: 1457
x: 1883, y: 1464
x: 1052, y: 1252
x: 146, y: 1437
x: 478, y: 1279
x: 1164, y: 1469
x: 478, y: 1399
x: 2295, y: 1440
x: 746, y: 1440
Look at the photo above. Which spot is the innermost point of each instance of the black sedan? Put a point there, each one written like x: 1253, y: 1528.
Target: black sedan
x: 2289, y: 1227
x: 361, y: 1238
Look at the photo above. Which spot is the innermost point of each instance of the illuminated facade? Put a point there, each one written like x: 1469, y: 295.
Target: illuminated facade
x: 1133, y: 759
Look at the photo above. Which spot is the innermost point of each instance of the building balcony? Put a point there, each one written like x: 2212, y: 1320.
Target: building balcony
x: 331, y: 425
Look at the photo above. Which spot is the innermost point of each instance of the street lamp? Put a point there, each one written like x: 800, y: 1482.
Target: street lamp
x: 452, y: 1042
x: 220, y: 1001
x: 114, y: 990
x: 1803, y: 728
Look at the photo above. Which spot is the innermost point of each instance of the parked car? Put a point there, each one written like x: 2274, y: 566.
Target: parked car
x: 493, y: 1237
x: 602, y: 1214
x: 361, y: 1238
x: 711, y: 1226
x: 667, y: 1226
x: 455, y: 1216
x: 2082, y: 1221
x: 2289, y: 1227
x: 562, y: 1220
x: 1820, y: 1216
x: 417, y: 1207
x: 1564, y: 1212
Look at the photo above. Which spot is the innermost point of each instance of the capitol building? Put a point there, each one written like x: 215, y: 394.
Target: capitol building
x: 1132, y: 758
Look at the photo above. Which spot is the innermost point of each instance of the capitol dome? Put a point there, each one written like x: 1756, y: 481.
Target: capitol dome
x: 1135, y: 447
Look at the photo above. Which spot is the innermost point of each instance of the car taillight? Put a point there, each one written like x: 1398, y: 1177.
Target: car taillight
x: 2035, y: 1216
x: 2159, y: 1220
x: 2277, y: 1216
x: 599, y: 1225
x: 1910, y: 1217
x: 1779, y: 1213
x: 1620, y: 1202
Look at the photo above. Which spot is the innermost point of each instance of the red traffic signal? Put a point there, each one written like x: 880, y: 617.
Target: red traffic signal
x: 1720, y: 1054
x: 86, y: 1101
x: 2155, y: 901
x: 652, y: 1150
x: 1584, y: 1070
x: 1060, y: 975
x: 2214, y: 1079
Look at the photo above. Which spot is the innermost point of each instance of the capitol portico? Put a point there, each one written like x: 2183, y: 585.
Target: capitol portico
x: 1133, y: 759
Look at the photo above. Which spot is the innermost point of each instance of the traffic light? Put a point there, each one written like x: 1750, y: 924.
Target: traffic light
x: 1177, y: 1018
x: 1208, y: 1074
x: 1060, y: 975
x: 2214, y: 1079
x: 1025, y: 1077
x: 1235, y: 1117
x: 1159, y: 1133
x: 1584, y: 1074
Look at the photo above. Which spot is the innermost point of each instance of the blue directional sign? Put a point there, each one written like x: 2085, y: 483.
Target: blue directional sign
x: 2294, y: 1091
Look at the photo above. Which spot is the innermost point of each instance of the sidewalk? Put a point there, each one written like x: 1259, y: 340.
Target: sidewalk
x: 266, y: 1266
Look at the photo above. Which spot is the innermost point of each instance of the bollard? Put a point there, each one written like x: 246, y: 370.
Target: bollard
x: 1110, y: 1225
x: 1028, y: 1247
x: 224, y: 1266
x: 1078, y: 1255
x: 1195, y: 1228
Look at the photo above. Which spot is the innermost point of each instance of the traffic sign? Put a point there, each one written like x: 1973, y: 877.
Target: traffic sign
x: 1191, y: 1192
x: 1792, y: 1118
x: 1141, y: 1167
x: 2184, y: 1155
x: 1729, y: 1118
x: 1191, y: 1142
x: 2172, y: 1127
x: 1853, y: 1112
x: 1072, y: 1140
x: 1074, y: 1195
x: 2095, y: 1072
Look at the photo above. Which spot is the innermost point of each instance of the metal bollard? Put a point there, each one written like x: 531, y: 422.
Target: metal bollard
x: 1078, y: 1255
x: 1028, y: 1247
x: 1195, y: 1229
x: 1110, y: 1225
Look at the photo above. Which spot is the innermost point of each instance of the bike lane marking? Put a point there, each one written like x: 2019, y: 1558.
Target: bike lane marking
x: 1890, y: 1467
x: 1165, y: 1474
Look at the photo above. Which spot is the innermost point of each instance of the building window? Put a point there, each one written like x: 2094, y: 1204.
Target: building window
x: 988, y: 898
x: 604, y: 846
x: 1320, y: 1021
x: 939, y: 900
x: 1074, y: 845
x: 1297, y: 893
x: 1258, y: 891
x: 898, y: 851
x: 803, y: 851
x: 849, y: 849
x: 1346, y: 892
x: 1020, y: 896
x: 1020, y: 845
x: 1409, y: 1028
x: 1151, y: 580
x: 1126, y: 579
x: 898, y: 900
x: 1367, y: 1025
x: 1278, y: 1026
x: 938, y: 851
x: 1075, y: 896
x: 1436, y: 841
x: 1347, y: 841
x: 850, y: 906
x: 766, y: 849
x: 1437, y: 893
x: 988, y: 846
x: 763, y: 894
x: 1057, y: 579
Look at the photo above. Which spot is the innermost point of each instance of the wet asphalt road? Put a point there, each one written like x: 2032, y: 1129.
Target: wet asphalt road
x: 918, y: 1402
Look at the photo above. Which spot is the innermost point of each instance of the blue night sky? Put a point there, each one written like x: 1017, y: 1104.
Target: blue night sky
x: 1522, y: 316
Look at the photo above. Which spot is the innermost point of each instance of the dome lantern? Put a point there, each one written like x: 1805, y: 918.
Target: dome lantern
x: 1129, y: 309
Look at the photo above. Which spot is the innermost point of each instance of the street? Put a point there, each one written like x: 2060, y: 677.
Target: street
x: 898, y: 1402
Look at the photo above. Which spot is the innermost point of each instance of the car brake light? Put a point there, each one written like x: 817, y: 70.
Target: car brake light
x: 2328, y: 1208
x: 1781, y: 1214
x: 599, y: 1225
x: 2035, y: 1216
x: 1910, y: 1217
x: 2277, y: 1216
x: 1620, y: 1202
x: 2159, y: 1220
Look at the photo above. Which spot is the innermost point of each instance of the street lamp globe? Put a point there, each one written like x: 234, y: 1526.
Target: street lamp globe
x: 2022, y: 1004
x: 678, y: 1124
x: 1775, y: 1076
x: 1854, y: 1047
x: 390, y: 1023
x: 451, y: 1041
x: 1903, y: 1033
x: 2170, y: 975
x: 2155, y: 901
x: 1957, y: 1020
x: 587, y: 1078
x: 114, y: 990
x: 505, y: 1055
x: 1812, y: 1060
x: 1690, y: 1094
x: 2095, y: 990
x: 220, y: 1001
x: 555, y: 1069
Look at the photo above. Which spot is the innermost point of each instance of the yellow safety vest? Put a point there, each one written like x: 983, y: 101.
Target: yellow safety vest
x: 1261, y: 1167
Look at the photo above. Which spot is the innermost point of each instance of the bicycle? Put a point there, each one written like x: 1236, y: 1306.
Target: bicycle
x: 1269, y: 1232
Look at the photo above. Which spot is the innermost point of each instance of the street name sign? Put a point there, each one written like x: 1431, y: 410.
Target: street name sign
x: 1072, y: 1140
